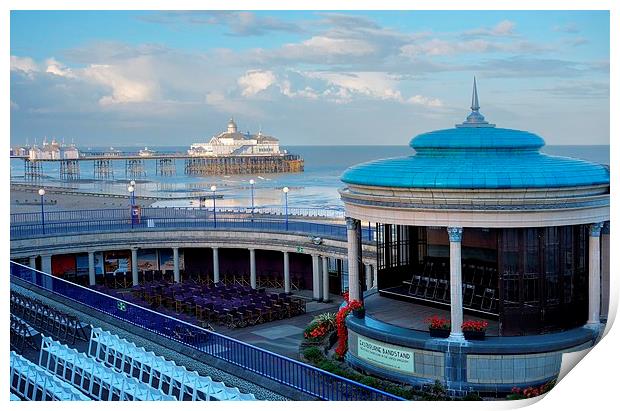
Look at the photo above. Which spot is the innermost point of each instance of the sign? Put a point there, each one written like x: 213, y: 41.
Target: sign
x: 385, y: 355
x: 300, y: 249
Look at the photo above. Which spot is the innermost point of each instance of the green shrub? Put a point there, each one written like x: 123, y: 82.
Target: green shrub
x: 313, y: 354
x: 472, y: 396
x: 435, y: 392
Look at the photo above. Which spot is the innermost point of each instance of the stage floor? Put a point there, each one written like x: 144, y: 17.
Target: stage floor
x: 411, y: 315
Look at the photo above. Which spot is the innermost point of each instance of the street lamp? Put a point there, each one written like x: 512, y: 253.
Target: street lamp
x: 131, y: 190
x: 285, y: 190
x: 213, y: 188
x: 42, y: 193
x: 252, y: 182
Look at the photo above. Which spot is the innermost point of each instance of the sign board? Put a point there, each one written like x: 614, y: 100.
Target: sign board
x: 385, y: 355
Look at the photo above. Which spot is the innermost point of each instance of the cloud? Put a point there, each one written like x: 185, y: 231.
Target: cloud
x: 425, y: 101
x: 504, y: 28
x: 438, y: 47
x: 24, y: 64
x: 55, y: 67
x: 570, y: 27
x: 255, y: 81
x: 578, y: 89
x: 125, y: 87
x: 239, y: 23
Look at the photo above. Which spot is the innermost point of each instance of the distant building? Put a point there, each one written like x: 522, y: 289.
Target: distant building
x: 69, y: 153
x: 19, y: 151
x: 233, y: 143
x: 53, y: 151
x: 146, y: 152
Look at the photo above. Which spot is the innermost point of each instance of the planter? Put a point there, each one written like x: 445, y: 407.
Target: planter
x: 474, y: 335
x: 439, y: 332
x: 359, y: 313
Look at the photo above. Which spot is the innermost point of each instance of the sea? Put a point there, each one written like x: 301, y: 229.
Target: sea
x: 316, y: 187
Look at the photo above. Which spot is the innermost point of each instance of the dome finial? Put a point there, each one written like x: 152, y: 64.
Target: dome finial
x: 475, y: 106
x: 475, y: 118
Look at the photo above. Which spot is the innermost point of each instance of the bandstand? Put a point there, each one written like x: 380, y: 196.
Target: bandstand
x: 478, y: 224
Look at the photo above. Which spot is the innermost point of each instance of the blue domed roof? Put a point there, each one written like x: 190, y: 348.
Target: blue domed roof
x: 477, y: 155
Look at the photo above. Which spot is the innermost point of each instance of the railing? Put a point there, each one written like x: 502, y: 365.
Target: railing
x: 29, y: 225
x: 293, y: 212
x: 286, y: 371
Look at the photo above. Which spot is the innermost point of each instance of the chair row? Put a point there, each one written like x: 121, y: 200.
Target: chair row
x: 157, y: 372
x: 47, y: 319
x: 475, y: 296
x: 93, y: 378
x: 33, y: 383
x: 22, y: 335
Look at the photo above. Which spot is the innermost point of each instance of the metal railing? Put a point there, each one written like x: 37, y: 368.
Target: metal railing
x: 35, y: 217
x: 286, y: 371
x: 29, y: 225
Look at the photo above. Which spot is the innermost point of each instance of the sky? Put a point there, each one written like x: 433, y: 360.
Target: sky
x: 153, y: 78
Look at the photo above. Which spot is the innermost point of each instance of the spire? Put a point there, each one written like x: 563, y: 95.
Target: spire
x: 475, y: 106
x: 475, y: 118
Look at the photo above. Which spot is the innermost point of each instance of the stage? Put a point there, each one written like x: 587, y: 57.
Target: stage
x: 412, y: 315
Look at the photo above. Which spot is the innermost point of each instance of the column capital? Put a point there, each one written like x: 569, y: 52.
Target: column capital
x: 215, y: 248
x: 455, y: 234
x: 595, y: 229
x: 352, y: 223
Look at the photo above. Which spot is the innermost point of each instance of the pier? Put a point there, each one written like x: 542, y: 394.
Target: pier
x: 165, y: 165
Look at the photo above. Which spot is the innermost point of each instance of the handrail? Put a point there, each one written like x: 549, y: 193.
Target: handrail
x: 332, y: 213
x: 30, y: 225
x: 284, y: 370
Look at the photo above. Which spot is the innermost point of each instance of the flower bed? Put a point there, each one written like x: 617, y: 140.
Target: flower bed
x: 530, y: 392
x: 341, y: 324
x: 320, y: 327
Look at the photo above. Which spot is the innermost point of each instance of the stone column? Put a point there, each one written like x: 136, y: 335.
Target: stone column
x: 594, y: 274
x: 91, y: 268
x: 253, y: 268
x: 46, y: 264
x: 287, y: 274
x: 353, y: 226
x: 134, y: 266
x: 325, y: 279
x: 46, y: 267
x: 216, y: 265
x: 456, y: 287
x: 175, y: 257
x: 605, y: 257
x: 316, y: 273
x: 32, y: 262
x: 368, y: 271
x: 374, y: 276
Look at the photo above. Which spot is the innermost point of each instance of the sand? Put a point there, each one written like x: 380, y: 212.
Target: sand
x: 26, y: 199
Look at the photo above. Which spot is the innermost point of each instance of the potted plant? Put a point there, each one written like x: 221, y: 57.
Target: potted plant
x: 474, y: 330
x: 357, y: 308
x: 438, y: 327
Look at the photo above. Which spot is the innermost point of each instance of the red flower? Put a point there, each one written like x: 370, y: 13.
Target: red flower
x: 473, y: 325
x: 341, y: 325
x: 438, y: 323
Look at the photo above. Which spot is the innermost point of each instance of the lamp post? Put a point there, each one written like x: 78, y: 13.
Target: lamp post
x: 42, y: 193
x: 213, y: 188
x: 252, y: 182
x: 132, y: 183
x: 131, y: 190
x: 285, y: 190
